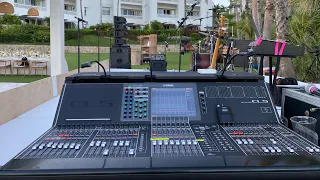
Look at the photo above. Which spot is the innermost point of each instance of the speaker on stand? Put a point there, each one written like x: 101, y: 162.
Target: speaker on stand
x: 120, y: 54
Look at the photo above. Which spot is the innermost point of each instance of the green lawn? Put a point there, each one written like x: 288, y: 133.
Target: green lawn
x: 72, y: 60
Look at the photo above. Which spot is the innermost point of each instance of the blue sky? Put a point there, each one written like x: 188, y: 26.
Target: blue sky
x: 221, y: 2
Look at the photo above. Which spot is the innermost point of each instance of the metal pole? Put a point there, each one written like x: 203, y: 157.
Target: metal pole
x: 78, y: 46
x: 180, y: 51
x: 98, y: 49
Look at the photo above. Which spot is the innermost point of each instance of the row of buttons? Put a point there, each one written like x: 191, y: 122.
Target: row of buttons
x: 174, y: 142
x: 274, y: 149
x: 312, y: 149
x: 244, y: 141
x: 106, y: 152
x: 57, y: 145
x: 115, y: 143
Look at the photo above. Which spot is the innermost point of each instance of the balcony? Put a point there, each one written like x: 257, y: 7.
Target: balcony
x: 25, y: 6
x: 167, y: 15
x: 168, y: 1
x: 70, y: 12
x: 132, y: 2
x: 131, y: 17
x: 191, y: 2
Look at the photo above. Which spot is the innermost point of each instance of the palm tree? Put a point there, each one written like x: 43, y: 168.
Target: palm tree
x: 267, y: 26
x: 255, y: 14
x: 286, y: 67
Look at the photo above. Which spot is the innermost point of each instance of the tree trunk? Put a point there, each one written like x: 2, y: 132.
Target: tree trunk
x: 247, y: 16
x: 236, y: 11
x: 267, y: 26
x: 259, y: 23
x: 286, y: 67
x: 255, y: 15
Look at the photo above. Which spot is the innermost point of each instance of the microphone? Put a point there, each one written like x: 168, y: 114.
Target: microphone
x: 81, y: 20
x: 312, y: 89
x: 194, y: 4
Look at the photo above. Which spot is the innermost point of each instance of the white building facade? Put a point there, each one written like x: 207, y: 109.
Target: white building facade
x: 137, y: 12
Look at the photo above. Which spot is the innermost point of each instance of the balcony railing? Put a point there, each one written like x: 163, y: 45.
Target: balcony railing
x: 167, y: 15
x: 30, y: 6
x: 132, y: 17
x: 132, y: 1
x: 170, y: 1
x: 191, y: 1
x: 70, y: 12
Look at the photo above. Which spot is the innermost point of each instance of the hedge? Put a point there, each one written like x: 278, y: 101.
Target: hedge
x: 27, y: 33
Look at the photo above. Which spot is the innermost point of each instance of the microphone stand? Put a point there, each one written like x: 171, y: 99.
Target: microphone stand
x: 179, y: 28
x: 78, y: 45
x: 98, y: 31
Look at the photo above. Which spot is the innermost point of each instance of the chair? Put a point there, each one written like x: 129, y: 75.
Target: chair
x: 38, y: 65
x: 5, y: 64
x: 20, y: 64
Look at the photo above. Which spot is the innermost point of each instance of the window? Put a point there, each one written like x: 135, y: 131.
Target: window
x: 130, y: 12
x: 41, y: 3
x: 85, y: 11
x: 69, y: 7
x: 166, y: 12
x: 106, y: 10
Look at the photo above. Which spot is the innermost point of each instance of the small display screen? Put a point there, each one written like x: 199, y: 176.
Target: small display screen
x: 173, y: 102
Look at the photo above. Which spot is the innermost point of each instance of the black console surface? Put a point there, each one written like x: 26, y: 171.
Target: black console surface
x: 211, y: 128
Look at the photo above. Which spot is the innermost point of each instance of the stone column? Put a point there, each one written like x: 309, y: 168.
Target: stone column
x: 58, y: 62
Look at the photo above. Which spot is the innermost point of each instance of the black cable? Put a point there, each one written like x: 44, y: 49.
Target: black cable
x: 104, y: 70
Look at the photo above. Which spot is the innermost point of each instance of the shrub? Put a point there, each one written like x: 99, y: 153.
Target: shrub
x: 195, y: 36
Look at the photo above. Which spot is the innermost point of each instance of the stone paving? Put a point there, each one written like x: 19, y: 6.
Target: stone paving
x: 8, y: 86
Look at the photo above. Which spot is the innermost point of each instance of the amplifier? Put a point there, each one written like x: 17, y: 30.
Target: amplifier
x: 120, y: 27
x: 158, y: 57
x: 158, y: 65
x: 295, y: 102
x: 120, y: 57
x: 119, y: 20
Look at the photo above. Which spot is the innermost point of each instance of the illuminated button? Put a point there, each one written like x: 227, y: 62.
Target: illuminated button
x: 54, y: 145
x: 291, y: 150
x: 127, y: 92
x: 135, y: 115
x: 145, y: 104
x: 154, y: 143
x: 194, y: 142
x: 66, y: 146
x: 98, y: 143
x: 171, y: 142
x: 279, y: 150
x: 60, y: 145
x: 189, y: 142
x: 130, y: 107
x: 145, y: 109
x: 272, y: 150
x: 106, y: 152
x: 72, y: 145
x: 115, y: 143
x: 140, y: 106
x: 125, y: 107
x: 160, y: 142
x: 140, y: 116
x: 131, y: 151
x: 165, y: 142
x: 125, y: 103
x: 127, y: 143
x: 77, y: 146
x: 121, y: 143
x: 145, y: 114
x: 103, y: 144
x: 311, y: 150
x: 130, y: 103
x: 49, y: 144
x: 145, y: 100
x: 140, y: 111
x: 35, y: 146
x: 177, y: 142
x: 136, y: 105
x: 136, y: 110
x: 183, y: 142
x: 141, y: 101
x: 92, y: 144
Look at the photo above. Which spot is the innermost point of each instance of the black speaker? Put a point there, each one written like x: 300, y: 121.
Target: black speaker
x: 120, y: 41
x: 120, y: 57
x: 119, y: 20
x: 158, y: 65
x: 120, y: 27
x: 120, y: 34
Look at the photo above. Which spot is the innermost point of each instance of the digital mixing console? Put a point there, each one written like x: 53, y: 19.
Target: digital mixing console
x: 186, y: 123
